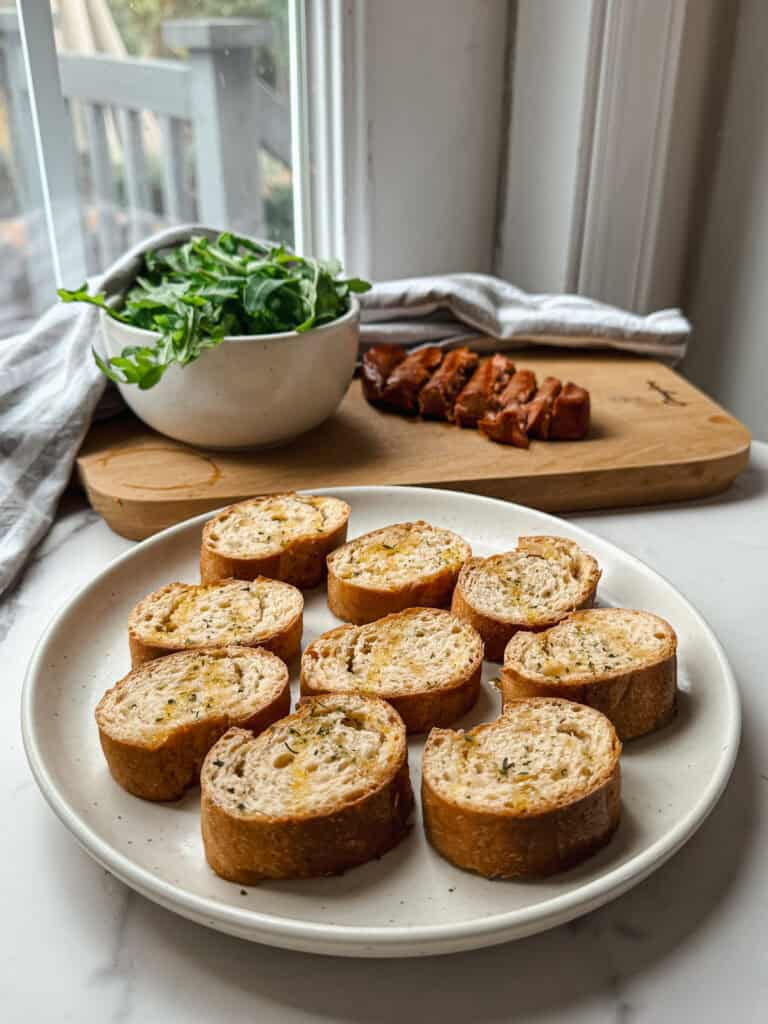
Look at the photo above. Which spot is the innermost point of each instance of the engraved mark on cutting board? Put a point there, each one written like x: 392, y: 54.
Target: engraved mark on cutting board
x: 667, y: 397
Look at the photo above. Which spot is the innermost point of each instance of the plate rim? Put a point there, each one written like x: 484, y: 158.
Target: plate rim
x: 378, y: 940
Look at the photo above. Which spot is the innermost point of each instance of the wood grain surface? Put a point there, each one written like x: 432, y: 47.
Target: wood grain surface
x: 654, y: 438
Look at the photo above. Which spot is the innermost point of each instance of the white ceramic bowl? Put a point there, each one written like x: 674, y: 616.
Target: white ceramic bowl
x: 250, y: 392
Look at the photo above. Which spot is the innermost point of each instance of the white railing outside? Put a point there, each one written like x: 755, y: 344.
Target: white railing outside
x: 135, y: 120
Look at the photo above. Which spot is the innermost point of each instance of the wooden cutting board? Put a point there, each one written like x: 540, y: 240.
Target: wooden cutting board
x: 654, y: 438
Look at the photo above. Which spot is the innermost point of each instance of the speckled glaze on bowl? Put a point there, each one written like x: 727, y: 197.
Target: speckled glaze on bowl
x: 253, y: 391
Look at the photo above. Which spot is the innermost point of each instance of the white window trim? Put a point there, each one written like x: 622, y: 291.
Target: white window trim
x: 53, y: 141
x: 396, y: 133
x: 553, y: 91
x: 398, y: 114
x: 626, y: 197
x: 632, y: 76
x: 329, y: 130
x: 596, y: 195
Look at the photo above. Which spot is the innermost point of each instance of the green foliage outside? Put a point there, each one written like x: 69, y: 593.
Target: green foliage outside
x: 139, y: 21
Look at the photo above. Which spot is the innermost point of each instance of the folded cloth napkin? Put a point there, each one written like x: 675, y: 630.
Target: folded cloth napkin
x: 50, y: 388
x: 447, y: 310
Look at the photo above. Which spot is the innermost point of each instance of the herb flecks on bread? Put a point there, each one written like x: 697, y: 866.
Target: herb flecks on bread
x: 542, y: 577
x: 540, y: 757
x: 158, y: 722
x: 399, y: 566
x: 320, y: 791
x: 307, y: 764
x: 621, y: 661
x: 529, y: 794
x: 424, y: 661
x: 283, y: 536
x: 398, y: 554
x: 531, y: 587
x: 260, y: 612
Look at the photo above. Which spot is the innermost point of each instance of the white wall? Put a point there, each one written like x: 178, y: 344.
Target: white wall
x: 606, y: 122
x: 435, y: 89
x: 543, y: 186
x: 728, y: 297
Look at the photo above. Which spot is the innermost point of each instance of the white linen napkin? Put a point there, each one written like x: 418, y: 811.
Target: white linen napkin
x: 49, y: 390
x: 452, y: 307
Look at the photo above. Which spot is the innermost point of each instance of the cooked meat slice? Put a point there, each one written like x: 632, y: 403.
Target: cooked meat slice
x: 506, y: 427
x: 437, y: 397
x: 483, y: 390
x: 520, y: 389
x: 378, y: 364
x: 570, y: 414
x: 409, y: 377
x: 539, y: 409
x: 508, y: 424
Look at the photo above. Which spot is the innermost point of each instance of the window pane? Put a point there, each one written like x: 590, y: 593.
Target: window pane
x: 180, y: 112
x: 27, y: 281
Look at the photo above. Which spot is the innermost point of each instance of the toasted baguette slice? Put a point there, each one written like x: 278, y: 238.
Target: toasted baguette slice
x: 532, y: 793
x: 624, y: 663
x: 157, y: 723
x: 423, y: 661
x: 319, y: 792
x: 532, y: 587
x: 283, y: 536
x: 253, y: 613
x: 407, y: 565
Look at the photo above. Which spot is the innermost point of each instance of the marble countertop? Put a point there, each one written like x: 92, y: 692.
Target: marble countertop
x: 687, y: 944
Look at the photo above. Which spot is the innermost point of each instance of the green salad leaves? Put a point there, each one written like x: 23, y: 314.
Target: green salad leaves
x: 195, y: 294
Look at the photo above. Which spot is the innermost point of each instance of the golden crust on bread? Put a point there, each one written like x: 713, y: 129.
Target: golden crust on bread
x: 532, y: 587
x: 157, y: 723
x: 620, y: 661
x: 283, y: 536
x: 400, y: 566
x: 321, y: 791
x: 248, y: 613
x: 424, y: 661
x: 528, y: 795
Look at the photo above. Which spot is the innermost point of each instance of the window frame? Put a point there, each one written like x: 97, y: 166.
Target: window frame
x: 53, y: 141
x: 606, y: 223
x: 368, y: 155
x: 357, y: 150
x: 633, y: 77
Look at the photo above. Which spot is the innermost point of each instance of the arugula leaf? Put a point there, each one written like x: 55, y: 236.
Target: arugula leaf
x: 258, y: 290
x: 195, y: 294
x: 357, y: 284
x: 81, y: 294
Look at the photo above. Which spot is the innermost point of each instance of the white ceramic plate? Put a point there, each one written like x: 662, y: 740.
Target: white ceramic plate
x: 410, y: 902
